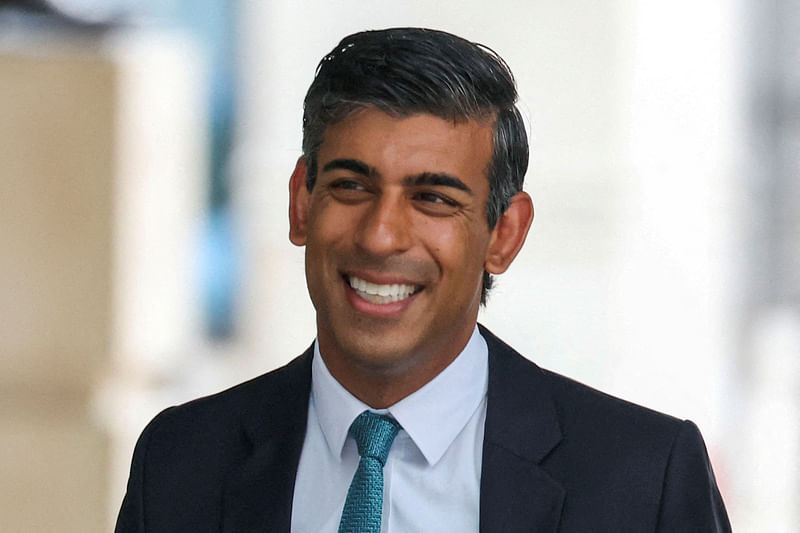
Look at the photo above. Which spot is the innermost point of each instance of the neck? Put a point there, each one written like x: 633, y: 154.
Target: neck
x: 381, y: 385
x: 380, y: 389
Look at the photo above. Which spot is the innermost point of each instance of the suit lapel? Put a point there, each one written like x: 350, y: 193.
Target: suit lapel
x: 521, y: 430
x: 258, y: 494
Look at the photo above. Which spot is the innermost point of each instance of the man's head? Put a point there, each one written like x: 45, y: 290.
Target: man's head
x: 404, y: 71
x: 407, y: 198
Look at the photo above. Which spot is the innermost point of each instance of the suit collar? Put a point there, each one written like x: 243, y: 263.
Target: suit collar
x: 258, y: 492
x: 432, y: 417
x: 521, y: 429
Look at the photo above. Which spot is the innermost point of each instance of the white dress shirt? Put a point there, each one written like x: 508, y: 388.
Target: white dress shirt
x: 432, y: 475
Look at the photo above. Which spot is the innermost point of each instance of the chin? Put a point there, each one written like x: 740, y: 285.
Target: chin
x: 378, y: 353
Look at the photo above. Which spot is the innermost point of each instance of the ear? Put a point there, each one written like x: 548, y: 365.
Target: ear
x: 299, y: 200
x: 509, y: 234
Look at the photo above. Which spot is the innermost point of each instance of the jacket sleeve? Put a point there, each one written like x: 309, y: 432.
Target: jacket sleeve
x: 131, y: 514
x: 690, y: 499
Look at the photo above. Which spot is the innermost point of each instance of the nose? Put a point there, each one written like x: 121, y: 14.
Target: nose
x: 385, y: 227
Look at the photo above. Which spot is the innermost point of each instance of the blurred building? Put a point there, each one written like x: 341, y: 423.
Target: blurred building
x: 102, y: 186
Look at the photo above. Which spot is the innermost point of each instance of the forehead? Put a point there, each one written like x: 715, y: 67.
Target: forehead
x: 415, y: 143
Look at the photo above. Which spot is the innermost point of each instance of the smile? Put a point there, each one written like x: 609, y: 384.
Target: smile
x: 381, y: 294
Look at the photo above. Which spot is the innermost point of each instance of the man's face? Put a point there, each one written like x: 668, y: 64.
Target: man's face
x: 396, y: 239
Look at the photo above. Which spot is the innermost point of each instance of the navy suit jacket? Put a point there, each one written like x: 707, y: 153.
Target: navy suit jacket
x: 557, y: 456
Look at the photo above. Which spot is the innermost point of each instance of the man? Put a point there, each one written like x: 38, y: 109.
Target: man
x: 405, y: 415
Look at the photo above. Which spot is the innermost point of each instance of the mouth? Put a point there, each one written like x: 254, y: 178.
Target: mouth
x: 381, y: 294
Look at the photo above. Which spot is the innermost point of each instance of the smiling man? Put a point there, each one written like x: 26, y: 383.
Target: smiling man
x: 405, y: 415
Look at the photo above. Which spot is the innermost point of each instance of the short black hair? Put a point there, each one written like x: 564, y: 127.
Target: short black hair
x: 403, y: 71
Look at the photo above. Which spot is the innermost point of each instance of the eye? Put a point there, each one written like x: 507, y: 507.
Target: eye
x: 346, y: 185
x: 435, y: 203
x: 434, y: 198
x: 348, y: 190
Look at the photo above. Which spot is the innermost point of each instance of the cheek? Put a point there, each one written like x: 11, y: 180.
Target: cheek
x: 458, y: 247
x: 327, y: 225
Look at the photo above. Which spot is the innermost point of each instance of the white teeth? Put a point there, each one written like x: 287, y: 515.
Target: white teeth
x: 381, y: 294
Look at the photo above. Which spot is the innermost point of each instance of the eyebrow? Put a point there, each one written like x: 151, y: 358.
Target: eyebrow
x: 353, y: 165
x: 437, y: 179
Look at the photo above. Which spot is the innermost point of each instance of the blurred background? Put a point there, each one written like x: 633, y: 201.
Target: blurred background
x: 145, y: 150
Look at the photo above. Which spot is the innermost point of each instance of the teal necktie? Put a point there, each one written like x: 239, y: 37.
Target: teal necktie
x: 363, y: 507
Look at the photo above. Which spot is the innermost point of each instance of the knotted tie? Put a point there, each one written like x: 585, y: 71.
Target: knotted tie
x: 374, y: 435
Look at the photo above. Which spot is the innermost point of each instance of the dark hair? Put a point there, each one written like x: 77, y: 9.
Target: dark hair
x: 404, y: 71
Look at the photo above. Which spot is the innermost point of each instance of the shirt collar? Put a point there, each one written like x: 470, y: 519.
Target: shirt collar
x: 432, y: 417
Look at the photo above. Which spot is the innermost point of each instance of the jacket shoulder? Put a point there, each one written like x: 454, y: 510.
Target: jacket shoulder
x: 264, y: 394
x: 585, y: 409
x: 187, y: 452
x: 578, y: 407
x: 622, y: 466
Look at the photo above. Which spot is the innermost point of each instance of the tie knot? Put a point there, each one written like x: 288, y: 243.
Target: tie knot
x: 374, y: 435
